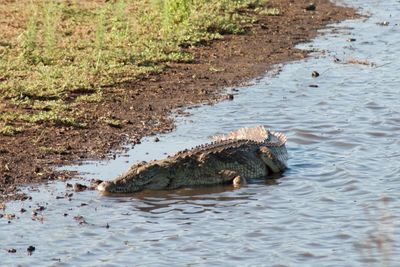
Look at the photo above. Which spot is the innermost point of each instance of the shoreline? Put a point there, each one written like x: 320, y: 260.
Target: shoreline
x: 143, y: 107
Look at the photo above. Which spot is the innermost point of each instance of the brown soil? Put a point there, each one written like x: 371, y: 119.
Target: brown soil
x: 145, y: 106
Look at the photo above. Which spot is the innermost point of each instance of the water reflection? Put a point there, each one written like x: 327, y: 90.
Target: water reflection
x: 201, y: 198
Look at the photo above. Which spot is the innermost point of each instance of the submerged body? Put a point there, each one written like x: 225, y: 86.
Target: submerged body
x: 225, y: 161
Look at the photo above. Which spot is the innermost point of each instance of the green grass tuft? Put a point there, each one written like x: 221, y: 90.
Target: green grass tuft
x: 9, y: 130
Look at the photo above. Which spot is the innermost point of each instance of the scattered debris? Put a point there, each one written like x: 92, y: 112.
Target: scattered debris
x: 38, y: 218
x: 30, y: 250
x: 39, y: 208
x: 156, y: 139
x: 12, y: 250
x: 360, y: 62
x: 79, y: 187
x: 80, y: 219
x: 230, y: 97
x: 383, y: 23
x: 22, y: 210
x: 354, y: 61
x: 351, y: 40
x: 315, y: 74
x: 136, y: 141
x: 313, y: 85
x: 311, y: 7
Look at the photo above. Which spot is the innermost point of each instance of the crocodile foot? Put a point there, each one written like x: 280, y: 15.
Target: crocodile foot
x: 237, y: 181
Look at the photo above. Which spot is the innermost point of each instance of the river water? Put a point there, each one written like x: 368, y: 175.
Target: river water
x: 335, y: 206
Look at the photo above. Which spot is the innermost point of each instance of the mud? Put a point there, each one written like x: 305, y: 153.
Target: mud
x: 145, y: 106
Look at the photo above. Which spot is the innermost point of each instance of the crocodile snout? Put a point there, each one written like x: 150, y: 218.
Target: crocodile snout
x: 103, y: 186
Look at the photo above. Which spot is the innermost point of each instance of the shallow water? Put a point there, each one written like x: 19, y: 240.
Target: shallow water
x: 335, y: 206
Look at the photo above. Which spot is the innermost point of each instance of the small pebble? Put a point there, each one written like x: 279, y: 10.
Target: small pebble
x: 311, y: 7
x: 156, y: 139
x: 40, y: 208
x: 79, y: 187
x: 315, y: 74
x: 11, y: 250
x: 30, y: 249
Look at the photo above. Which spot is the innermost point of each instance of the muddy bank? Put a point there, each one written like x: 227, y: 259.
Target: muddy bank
x: 143, y: 107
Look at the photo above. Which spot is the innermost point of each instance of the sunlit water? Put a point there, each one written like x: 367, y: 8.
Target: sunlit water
x: 337, y: 205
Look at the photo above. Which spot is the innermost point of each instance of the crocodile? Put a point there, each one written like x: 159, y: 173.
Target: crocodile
x: 244, y: 154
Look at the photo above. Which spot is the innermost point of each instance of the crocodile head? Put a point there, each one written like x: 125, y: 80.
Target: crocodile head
x: 118, y: 187
x: 140, y: 177
x: 269, y: 160
x: 107, y: 187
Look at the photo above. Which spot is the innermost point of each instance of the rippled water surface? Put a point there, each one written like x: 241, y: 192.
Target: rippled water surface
x: 337, y: 205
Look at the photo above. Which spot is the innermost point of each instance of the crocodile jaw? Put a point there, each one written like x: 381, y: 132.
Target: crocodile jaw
x: 110, y: 188
x: 103, y: 187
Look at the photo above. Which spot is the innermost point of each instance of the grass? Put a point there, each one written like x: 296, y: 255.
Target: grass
x: 9, y: 130
x: 58, y: 54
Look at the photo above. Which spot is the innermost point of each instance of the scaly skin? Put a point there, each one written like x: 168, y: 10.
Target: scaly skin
x: 228, y: 161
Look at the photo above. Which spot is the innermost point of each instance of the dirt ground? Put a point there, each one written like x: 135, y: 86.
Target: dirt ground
x: 145, y: 106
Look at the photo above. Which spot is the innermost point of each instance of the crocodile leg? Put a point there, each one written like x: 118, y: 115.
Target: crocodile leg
x: 237, y: 181
x: 229, y: 175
